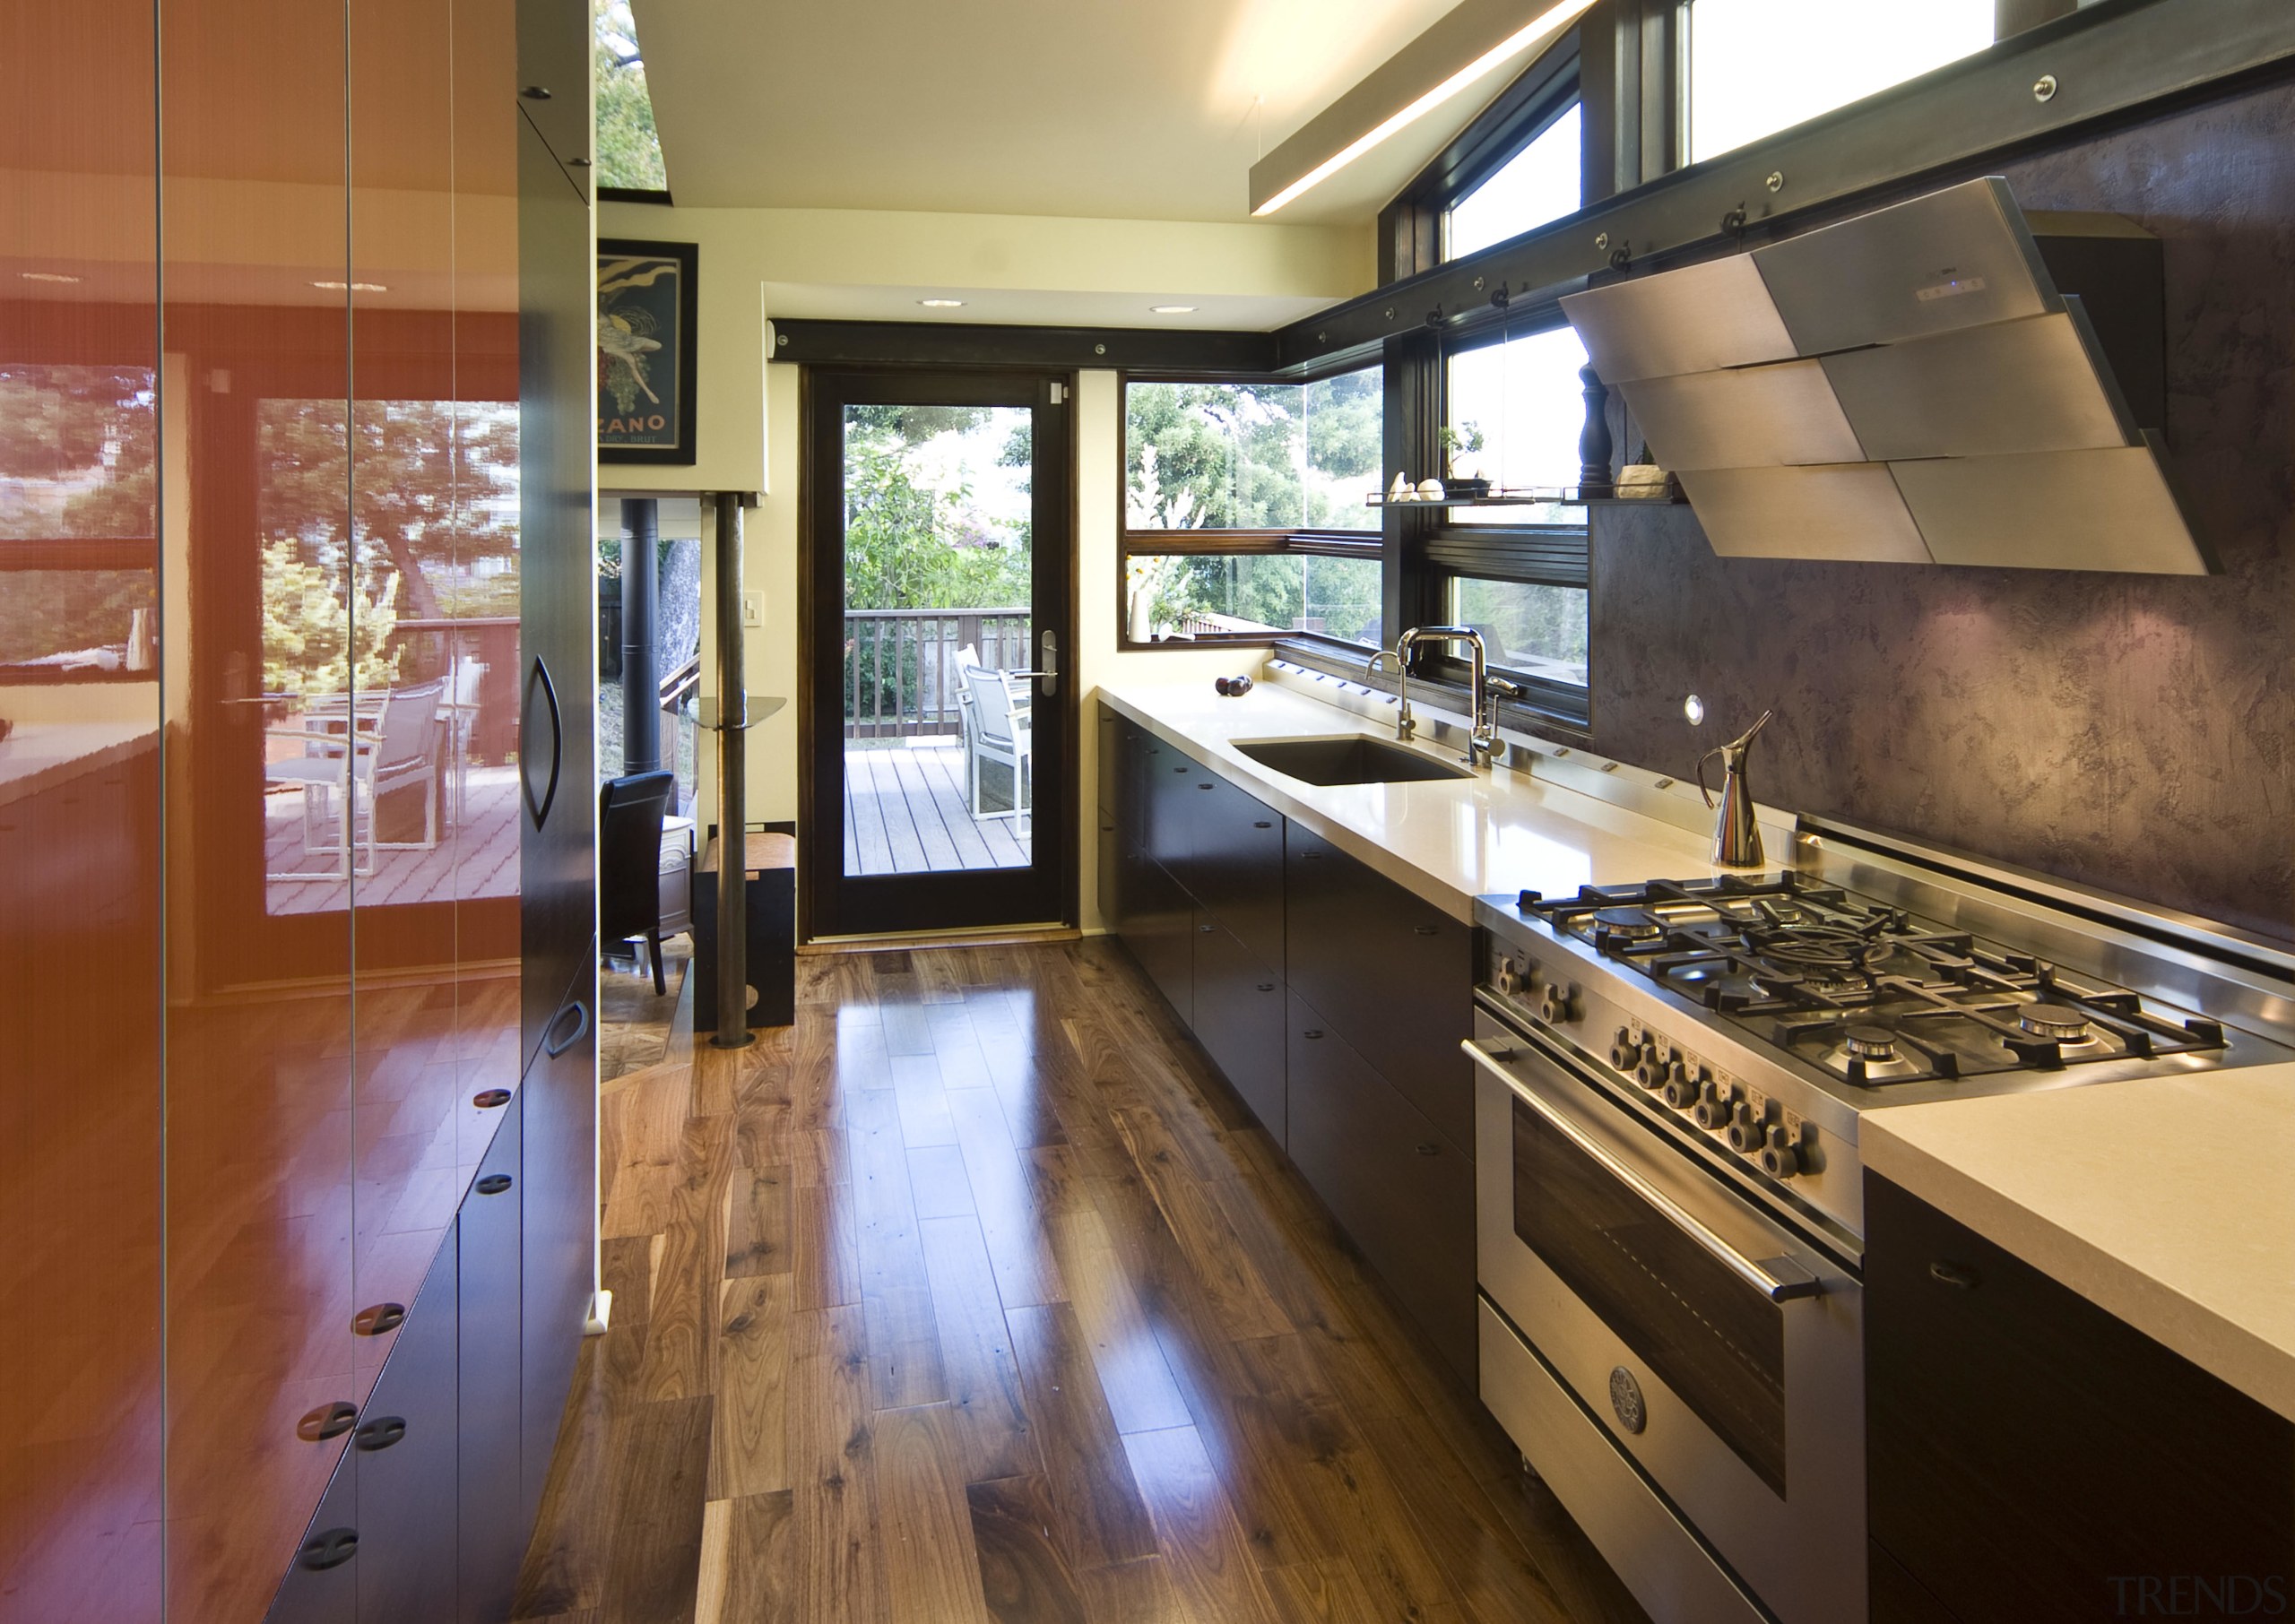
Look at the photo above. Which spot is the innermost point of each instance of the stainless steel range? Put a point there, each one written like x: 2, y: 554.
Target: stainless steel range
x: 1670, y: 1191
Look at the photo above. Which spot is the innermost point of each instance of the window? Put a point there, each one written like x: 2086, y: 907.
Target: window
x: 629, y: 151
x: 1244, y: 513
x: 1516, y: 570
x: 1521, y: 402
x: 1758, y: 66
x: 1542, y: 182
x: 79, y: 449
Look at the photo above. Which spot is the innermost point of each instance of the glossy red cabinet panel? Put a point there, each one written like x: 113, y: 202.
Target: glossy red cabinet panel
x: 80, y: 830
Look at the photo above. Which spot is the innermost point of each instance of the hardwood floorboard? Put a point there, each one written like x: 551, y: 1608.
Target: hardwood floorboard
x: 832, y: 1463
x: 653, y: 1555
x: 751, y: 1456
x: 987, y: 1412
x: 757, y: 1222
x: 933, y: 1570
x: 1097, y: 1510
x: 1202, y: 1546
x: 1023, y: 1579
x: 977, y: 1296
x: 748, y: 1562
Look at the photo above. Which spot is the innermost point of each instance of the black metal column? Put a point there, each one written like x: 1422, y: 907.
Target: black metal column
x: 733, y: 787
x: 641, y: 635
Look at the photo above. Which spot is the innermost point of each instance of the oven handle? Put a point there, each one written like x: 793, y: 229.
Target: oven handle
x: 1778, y: 1279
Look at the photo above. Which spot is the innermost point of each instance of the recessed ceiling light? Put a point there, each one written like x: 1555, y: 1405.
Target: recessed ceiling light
x: 1170, y: 309
x: 354, y: 287
x: 45, y: 276
x: 941, y: 304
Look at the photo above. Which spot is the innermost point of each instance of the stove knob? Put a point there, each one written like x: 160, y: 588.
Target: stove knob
x: 1624, y: 1054
x: 1652, y: 1070
x: 1713, y: 1107
x: 1681, y: 1088
x: 1744, y: 1129
x: 1508, y: 975
x: 1780, y: 1158
x: 1558, y: 1005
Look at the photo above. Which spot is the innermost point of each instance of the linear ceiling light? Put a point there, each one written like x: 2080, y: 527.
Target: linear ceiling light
x: 1170, y: 309
x: 1550, y: 19
x: 941, y: 304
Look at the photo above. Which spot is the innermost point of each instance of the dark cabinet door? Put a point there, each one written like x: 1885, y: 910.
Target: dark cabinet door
x: 558, y: 1151
x: 493, y: 1539
x: 554, y: 77
x: 1239, y: 1020
x: 1399, y: 1189
x: 406, y: 1453
x: 2032, y: 1458
x: 1109, y: 775
x: 1167, y: 794
x: 1158, y: 926
x: 558, y: 674
x: 1236, y: 863
x: 1398, y: 971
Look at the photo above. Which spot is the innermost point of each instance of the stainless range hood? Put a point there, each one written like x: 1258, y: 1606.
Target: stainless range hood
x: 1914, y: 385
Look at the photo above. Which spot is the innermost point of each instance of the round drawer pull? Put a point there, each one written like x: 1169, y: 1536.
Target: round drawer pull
x: 494, y: 1184
x: 382, y: 1317
x: 1958, y: 1275
x: 490, y: 1098
x: 1312, y: 1033
x: 1430, y: 1149
x: 326, y: 1421
x: 1424, y: 929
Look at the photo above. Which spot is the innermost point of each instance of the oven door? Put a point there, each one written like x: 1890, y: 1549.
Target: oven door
x: 1720, y: 1350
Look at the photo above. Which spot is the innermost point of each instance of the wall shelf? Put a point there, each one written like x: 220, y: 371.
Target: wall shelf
x: 1565, y: 496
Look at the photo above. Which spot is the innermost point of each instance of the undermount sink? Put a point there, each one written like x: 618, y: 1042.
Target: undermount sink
x: 1348, y: 758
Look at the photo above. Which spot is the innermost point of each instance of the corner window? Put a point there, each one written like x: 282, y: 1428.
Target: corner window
x: 1244, y: 515
x: 1759, y: 66
x: 1542, y: 182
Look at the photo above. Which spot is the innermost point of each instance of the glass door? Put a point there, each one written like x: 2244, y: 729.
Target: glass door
x: 940, y: 564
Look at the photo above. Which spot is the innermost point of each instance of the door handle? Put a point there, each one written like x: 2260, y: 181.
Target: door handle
x: 538, y: 806
x: 1048, y: 662
x: 556, y: 1045
x: 1778, y: 1279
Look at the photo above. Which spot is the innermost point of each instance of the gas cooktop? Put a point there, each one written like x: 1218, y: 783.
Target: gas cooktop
x: 1867, y: 992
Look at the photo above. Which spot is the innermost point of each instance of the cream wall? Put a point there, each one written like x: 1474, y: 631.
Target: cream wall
x: 747, y: 408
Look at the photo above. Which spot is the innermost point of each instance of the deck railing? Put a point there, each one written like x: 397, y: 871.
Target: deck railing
x: 900, y: 666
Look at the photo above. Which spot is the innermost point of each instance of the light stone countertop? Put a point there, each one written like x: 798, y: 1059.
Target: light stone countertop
x: 39, y: 754
x: 2168, y: 1201
x: 1447, y: 840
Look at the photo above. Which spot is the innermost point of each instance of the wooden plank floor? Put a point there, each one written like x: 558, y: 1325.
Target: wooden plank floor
x: 974, y: 1297
x: 905, y: 812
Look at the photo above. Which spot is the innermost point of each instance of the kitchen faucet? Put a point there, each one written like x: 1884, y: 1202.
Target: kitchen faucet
x: 1484, y: 690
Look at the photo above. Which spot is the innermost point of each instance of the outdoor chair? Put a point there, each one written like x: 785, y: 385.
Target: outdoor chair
x: 998, y: 729
x: 346, y: 763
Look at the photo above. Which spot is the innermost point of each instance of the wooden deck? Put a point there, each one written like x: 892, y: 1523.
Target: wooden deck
x: 478, y: 858
x: 905, y: 812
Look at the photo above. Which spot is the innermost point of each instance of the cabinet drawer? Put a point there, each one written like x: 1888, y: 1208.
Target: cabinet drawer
x: 1110, y: 761
x: 492, y: 1539
x: 1236, y: 863
x: 1398, y: 969
x: 1403, y: 1193
x: 2031, y: 1458
x: 1166, y: 794
x: 407, y: 1451
x: 1239, y: 1020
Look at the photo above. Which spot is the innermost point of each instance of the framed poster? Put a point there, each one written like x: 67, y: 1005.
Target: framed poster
x: 646, y: 344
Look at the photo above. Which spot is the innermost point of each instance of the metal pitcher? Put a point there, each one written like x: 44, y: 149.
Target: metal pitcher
x: 1736, y: 837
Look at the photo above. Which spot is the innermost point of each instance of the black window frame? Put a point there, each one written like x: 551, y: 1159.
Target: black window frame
x: 1291, y: 541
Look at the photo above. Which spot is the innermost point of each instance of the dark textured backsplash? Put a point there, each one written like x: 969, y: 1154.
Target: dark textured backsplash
x: 2136, y: 733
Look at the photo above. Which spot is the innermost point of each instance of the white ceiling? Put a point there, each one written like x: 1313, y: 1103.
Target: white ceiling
x: 1144, y: 109
x: 1059, y: 307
